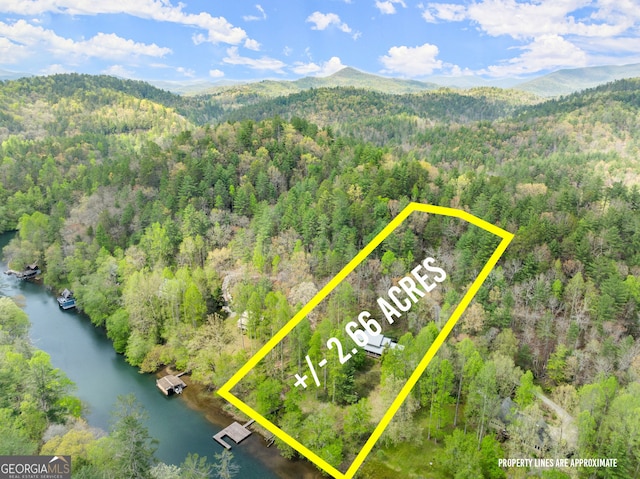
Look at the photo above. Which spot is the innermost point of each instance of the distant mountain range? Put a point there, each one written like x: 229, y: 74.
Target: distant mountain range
x: 347, y: 77
x: 9, y: 75
x: 565, y: 82
x: 561, y: 82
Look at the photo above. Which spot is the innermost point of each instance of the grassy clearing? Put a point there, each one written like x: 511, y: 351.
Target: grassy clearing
x: 409, y: 460
x: 406, y: 460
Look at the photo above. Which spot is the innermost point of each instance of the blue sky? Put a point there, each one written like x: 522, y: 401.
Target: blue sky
x: 289, y: 39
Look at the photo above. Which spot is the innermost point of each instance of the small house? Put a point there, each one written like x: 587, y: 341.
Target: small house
x: 509, y: 421
x: 376, y: 345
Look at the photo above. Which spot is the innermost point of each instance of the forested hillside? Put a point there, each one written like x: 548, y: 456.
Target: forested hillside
x: 564, y: 82
x: 233, y: 96
x: 153, y: 216
x: 72, y: 104
x: 381, y: 117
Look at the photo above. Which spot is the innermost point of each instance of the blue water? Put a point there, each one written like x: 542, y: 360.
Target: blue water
x: 87, y: 357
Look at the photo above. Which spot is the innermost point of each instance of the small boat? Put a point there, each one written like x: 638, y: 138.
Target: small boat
x: 66, y: 300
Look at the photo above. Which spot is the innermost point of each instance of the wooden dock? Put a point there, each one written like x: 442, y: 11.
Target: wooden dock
x: 171, y: 384
x: 235, y: 431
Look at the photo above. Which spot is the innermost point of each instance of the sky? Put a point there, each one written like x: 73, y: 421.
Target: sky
x: 214, y: 40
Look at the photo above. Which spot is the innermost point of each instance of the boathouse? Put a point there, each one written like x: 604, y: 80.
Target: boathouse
x: 30, y: 271
x: 66, y: 300
x: 170, y: 384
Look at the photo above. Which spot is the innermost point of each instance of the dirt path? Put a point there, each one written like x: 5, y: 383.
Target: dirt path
x: 569, y: 430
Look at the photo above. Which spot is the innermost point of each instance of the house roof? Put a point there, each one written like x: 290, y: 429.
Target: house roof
x: 169, y: 381
x: 377, y: 344
x: 375, y: 341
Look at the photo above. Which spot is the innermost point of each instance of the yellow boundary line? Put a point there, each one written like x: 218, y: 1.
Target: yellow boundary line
x: 225, y: 390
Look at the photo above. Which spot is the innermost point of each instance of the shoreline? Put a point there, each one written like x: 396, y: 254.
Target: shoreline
x: 198, y: 398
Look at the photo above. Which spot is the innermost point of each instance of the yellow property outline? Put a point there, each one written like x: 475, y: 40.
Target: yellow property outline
x: 225, y: 390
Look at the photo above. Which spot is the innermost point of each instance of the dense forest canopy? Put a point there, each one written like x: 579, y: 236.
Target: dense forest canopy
x: 164, y: 213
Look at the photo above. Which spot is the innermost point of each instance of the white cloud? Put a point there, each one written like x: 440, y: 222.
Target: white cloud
x: 617, y: 11
x: 188, y: 72
x: 287, y: 50
x: 387, y: 7
x: 546, y: 52
x: 551, y: 33
x: 306, y: 68
x: 322, y: 21
x: 456, y: 71
x: 251, y: 44
x: 11, y: 52
x: 255, y: 18
x: 218, y: 29
x: 54, y: 69
x: 216, y: 73
x: 412, y: 61
x: 102, y: 45
x: 118, y: 71
x: 110, y: 45
x: 198, y: 38
x: 264, y: 63
x: 618, y: 45
x: 428, y: 16
x: 448, y: 12
x: 530, y: 19
x: 334, y: 64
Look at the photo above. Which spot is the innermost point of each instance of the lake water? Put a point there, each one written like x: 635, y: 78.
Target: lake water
x: 87, y: 357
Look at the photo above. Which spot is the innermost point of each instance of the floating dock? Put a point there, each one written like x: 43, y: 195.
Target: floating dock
x: 235, y: 431
x: 171, y: 384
